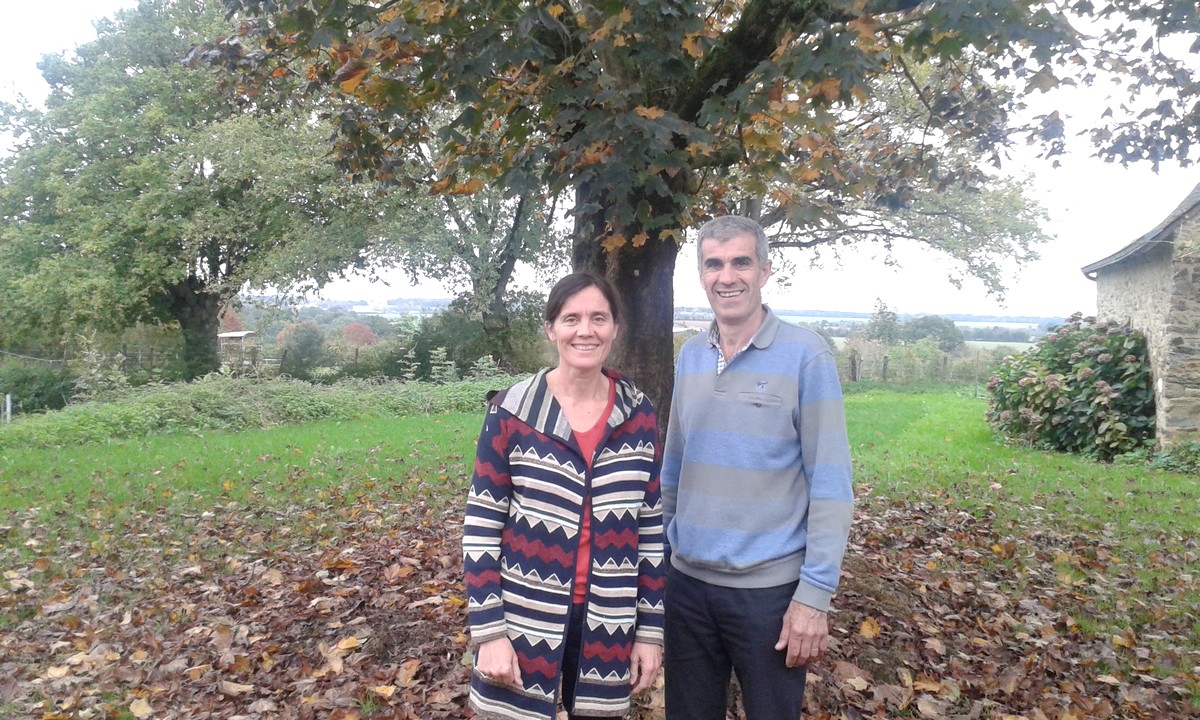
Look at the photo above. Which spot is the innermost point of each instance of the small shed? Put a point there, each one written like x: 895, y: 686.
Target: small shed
x: 237, y: 347
x: 1153, y: 285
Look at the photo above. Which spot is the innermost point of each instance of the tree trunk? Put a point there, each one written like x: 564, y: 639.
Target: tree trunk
x: 497, y: 325
x: 643, y: 278
x: 197, y: 311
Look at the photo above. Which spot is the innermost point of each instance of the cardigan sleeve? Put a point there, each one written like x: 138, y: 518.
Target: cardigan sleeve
x: 486, y: 516
x: 651, y: 570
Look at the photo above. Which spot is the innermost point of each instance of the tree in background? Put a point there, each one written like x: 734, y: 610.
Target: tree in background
x: 229, y: 321
x: 459, y: 331
x: 884, y: 324
x: 840, y: 121
x: 472, y: 242
x: 140, y: 193
x: 301, y: 348
x: 358, y: 335
x: 940, y: 330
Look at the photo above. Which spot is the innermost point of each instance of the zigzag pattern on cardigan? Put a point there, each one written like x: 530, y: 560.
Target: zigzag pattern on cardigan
x: 521, y: 536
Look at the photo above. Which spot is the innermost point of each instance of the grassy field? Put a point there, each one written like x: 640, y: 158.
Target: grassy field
x: 982, y: 580
x: 910, y: 445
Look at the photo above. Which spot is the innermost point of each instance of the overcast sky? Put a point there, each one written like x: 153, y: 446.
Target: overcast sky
x: 1095, y: 209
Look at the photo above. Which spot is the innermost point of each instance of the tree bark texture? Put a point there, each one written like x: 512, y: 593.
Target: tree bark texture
x: 197, y: 311
x: 644, y: 280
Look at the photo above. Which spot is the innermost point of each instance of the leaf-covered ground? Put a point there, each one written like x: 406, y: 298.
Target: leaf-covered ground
x: 222, y: 615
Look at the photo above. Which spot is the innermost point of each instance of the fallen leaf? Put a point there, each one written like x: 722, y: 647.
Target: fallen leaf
x: 140, y: 709
x: 395, y: 572
x: 869, y: 628
x: 931, y: 707
x: 234, y: 689
x: 408, y: 672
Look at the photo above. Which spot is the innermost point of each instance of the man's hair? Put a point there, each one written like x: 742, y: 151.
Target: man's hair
x: 575, y: 283
x: 726, y: 227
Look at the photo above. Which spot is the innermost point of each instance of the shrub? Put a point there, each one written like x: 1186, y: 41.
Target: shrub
x: 36, y: 385
x: 101, y: 376
x: 1084, y: 388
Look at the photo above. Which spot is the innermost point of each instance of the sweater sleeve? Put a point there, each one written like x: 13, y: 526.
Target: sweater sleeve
x: 486, y: 516
x: 672, y: 463
x: 651, y: 571
x: 825, y: 449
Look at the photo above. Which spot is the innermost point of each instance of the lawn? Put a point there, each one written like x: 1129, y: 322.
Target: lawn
x: 314, y: 571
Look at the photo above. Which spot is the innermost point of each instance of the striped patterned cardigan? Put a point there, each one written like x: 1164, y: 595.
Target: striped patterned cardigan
x: 521, y: 536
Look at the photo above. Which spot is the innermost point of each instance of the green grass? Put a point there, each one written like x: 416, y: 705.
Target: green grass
x: 73, y: 490
x: 907, y: 443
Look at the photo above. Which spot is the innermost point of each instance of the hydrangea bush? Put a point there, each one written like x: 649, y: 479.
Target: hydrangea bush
x: 1084, y: 388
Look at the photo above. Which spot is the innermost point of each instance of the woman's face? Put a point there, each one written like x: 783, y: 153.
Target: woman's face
x: 584, y: 331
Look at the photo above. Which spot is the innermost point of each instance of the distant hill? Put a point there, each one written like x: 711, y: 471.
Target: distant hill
x: 702, y: 313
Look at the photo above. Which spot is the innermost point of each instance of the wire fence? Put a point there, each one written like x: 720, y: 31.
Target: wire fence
x: 129, y: 358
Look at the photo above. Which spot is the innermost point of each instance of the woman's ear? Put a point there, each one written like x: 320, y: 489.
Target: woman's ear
x: 549, y: 328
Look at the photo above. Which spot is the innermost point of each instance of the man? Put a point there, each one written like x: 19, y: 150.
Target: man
x: 756, y: 494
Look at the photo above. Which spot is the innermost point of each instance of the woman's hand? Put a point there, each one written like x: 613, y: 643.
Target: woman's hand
x: 497, y: 661
x: 644, y: 663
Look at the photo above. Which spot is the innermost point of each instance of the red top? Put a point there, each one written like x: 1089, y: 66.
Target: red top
x: 588, y: 440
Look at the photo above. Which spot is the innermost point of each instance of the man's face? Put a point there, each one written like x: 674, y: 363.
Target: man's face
x: 732, y: 278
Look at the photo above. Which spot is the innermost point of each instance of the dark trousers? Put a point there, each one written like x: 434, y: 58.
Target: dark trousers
x: 572, y: 648
x: 711, y: 630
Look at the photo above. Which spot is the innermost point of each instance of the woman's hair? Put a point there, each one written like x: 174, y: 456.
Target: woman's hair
x: 576, y: 282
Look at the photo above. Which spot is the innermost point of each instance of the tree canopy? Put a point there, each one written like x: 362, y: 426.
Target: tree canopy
x: 833, y: 121
x: 142, y: 193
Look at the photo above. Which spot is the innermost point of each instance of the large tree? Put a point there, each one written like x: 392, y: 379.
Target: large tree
x: 832, y: 120
x: 140, y: 192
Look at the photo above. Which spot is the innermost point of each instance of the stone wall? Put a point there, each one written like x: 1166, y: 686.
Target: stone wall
x: 1158, y: 292
x: 1178, y: 390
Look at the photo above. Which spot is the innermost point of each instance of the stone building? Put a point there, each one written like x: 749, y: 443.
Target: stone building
x: 1153, y: 285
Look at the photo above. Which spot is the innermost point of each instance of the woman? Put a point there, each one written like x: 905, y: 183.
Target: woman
x: 562, y: 545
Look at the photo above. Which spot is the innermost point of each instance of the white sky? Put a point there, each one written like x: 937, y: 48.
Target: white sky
x: 1095, y: 209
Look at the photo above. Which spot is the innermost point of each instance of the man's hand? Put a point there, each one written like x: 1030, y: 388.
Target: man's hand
x: 644, y: 664
x: 497, y: 661
x: 805, y: 634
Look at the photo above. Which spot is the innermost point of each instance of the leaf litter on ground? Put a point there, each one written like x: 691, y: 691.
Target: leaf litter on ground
x: 358, y: 612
